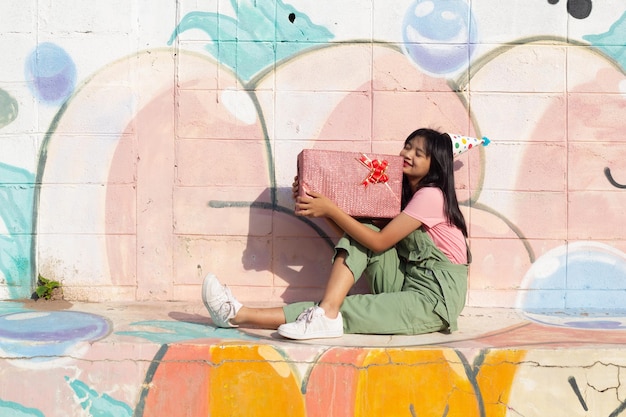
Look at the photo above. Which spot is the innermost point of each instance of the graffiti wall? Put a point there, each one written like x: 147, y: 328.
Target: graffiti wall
x: 143, y: 145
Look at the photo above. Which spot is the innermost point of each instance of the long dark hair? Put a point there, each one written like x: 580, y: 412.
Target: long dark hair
x: 441, y: 174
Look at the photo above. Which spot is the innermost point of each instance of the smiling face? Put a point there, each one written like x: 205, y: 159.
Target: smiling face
x: 416, y: 161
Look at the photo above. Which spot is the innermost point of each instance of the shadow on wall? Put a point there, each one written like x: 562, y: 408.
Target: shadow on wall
x: 297, y: 251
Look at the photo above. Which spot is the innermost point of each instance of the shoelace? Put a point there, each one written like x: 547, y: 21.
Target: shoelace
x: 307, y: 315
x: 225, y: 308
x: 225, y: 304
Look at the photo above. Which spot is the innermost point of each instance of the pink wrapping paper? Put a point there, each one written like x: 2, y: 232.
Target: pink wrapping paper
x: 341, y: 177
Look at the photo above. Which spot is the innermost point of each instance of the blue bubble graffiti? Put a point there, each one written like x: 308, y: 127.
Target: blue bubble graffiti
x: 439, y: 37
x: 50, y: 73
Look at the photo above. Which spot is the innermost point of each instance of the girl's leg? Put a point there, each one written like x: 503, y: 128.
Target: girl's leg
x: 266, y: 318
x: 340, y: 281
x: 226, y: 311
x: 383, y: 271
x: 352, y: 260
x: 404, y: 312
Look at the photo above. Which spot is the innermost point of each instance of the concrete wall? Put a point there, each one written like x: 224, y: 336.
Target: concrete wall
x: 144, y: 144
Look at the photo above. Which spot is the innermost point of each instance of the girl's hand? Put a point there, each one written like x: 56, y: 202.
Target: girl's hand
x: 314, y: 205
x: 295, y: 188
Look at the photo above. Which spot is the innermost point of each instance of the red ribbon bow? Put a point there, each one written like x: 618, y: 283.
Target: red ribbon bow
x: 377, y: 170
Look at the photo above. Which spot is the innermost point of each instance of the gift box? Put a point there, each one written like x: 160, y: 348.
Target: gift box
x: 362, y: 185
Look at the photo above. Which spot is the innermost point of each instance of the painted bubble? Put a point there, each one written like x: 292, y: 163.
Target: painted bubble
x: 439, y: 36
x: 578, y: 285
x: 48, y: 334
x: 50, y: 73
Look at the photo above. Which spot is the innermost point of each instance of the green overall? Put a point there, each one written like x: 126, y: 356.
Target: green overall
x: 415, y: 288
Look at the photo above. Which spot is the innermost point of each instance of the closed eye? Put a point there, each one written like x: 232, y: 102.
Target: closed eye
x: 607, y: 173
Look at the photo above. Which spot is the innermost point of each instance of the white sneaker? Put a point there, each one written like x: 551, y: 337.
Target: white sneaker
x: 218, y: 299
x: 312, y: 323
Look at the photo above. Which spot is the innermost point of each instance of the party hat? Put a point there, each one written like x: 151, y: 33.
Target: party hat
x: 461, y: 143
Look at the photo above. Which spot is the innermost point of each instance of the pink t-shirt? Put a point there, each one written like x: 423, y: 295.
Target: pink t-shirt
x: 427, y: 206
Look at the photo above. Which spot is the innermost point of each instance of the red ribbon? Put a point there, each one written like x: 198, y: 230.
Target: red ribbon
x: 377, y: 170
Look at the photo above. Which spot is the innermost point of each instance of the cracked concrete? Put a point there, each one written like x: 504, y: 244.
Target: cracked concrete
x: 143, y: 359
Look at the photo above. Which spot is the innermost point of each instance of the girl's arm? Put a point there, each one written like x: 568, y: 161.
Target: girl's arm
x: 316, y: 205
x: 335, y: 226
